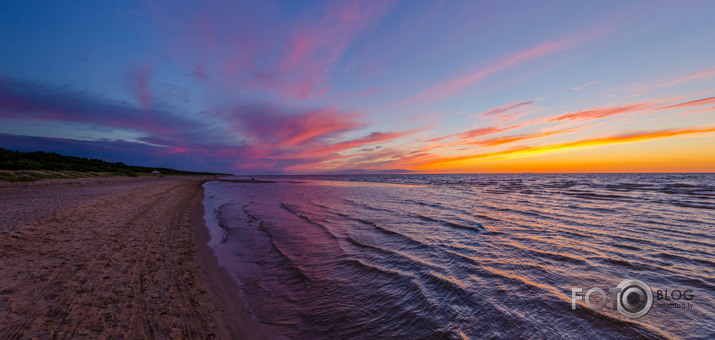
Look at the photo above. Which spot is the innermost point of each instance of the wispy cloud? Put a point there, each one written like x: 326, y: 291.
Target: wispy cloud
x: 505, y: 108
x: 24, y: 100
x: 273, y: 127
x: 139, y: 85
x: 450, y: 86
x: 263, y: 137
x: 483, y: 131
x: 316, y: 44
x: 301, y: 140
x: 373, y: 137
x: 525, y: 150
x: 473, y: 133
x: 521, y: 137
x: 648, y: 106
x: 692, y: 103
x: 251, y: 46
x: 578, y: 87
x: 600, y: 112
x: 674, y: 82
x: 268, y: 86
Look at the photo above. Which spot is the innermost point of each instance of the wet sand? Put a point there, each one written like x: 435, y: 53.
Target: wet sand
x: 113, y: 257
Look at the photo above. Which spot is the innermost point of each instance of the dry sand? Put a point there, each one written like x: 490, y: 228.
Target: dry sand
x: 112, y: 258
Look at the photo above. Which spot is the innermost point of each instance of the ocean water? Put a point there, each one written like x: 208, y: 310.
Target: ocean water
x: 468, y: 256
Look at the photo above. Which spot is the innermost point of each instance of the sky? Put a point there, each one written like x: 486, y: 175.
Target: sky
x: 302, y: 87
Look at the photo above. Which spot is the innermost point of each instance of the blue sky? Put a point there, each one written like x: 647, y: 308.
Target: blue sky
x: 322, y: 86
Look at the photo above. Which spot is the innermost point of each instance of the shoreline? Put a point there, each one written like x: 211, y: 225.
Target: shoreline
x: 113, y: 257
x: 235, y: 321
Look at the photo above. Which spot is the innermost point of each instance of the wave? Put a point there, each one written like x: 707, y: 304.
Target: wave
x: 222, y: 223
x: 409, y: 240
x: 307, y: 219
x: 471, y: 255
x: 288, y: 262
x: 476, y: 228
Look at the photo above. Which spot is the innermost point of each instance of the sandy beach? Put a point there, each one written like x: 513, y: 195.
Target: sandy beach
x: 112, y: 257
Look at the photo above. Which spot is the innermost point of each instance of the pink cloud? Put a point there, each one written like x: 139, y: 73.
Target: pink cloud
x: 302, y: 44
x: 517, y: 138
x: 674, y: 82
x: 505, y: 108
x: 252, y: 46
x: 271, y: 127
x: 455, y: 84
x: 382, y: 160
x: 698, y: 102
x: 139, y: 79
x: 332, y: 150
x: 478, y: 132
x: 303, y: 140
x: 263, y: 137
x: 451, y: 86
x: 315, y: 45
x: 649, y: 106
x: 483, y: 131
x: 600, y: 112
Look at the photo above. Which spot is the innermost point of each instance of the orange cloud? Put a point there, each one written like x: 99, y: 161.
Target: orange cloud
x: 447, y: 162
x: 385, y: 159
x: 332, y: 149
x: 483, y: 131
x: 691, y: 103
x: 475, y: 133
x: 516, y: 138
x: 600, y: 112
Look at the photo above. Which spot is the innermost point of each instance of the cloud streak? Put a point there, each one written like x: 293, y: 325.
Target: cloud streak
x: 24, y: 100
x: 692, y: 103
x: 505, y: 108
x: 525, y: 150
x: 601, y: 112
x: 649, y: 106
x: 451, y: 86
x: 584, y: 85
x: 521, y: 137
x: 258, y: 136
x: 252, y: 46
x: 139, y: 86
x: 674, y: 82
x: 276, y: 86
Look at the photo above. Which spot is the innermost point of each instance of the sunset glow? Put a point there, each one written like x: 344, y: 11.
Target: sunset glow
x: 363, y: 86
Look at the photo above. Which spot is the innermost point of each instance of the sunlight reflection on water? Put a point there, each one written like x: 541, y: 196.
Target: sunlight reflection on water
x: 430, y: 256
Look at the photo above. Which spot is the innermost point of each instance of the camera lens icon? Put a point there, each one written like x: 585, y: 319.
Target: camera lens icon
x: 634, y: 299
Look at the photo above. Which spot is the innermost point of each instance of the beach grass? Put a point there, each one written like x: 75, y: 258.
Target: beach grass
x: 36, y: 175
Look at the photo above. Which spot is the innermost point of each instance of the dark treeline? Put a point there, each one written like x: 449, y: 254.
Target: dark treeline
x: 39, y: 160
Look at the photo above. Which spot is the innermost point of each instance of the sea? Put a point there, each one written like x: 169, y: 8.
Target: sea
x: 471, y: 256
